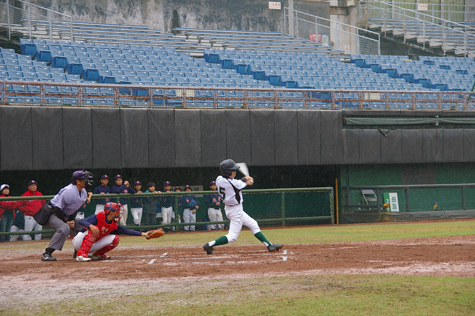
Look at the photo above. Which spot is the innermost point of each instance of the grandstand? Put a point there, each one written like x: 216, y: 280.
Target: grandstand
x: 206, y: 60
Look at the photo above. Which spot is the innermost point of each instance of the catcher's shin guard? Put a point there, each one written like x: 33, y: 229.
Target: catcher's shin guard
x: 109, y: 247
x: 86, y: 245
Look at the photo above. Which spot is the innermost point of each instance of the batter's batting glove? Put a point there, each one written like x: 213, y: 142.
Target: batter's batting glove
x: 157, y: 233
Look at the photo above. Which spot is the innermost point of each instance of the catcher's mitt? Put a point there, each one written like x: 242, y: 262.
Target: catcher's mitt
x: 157, y: 233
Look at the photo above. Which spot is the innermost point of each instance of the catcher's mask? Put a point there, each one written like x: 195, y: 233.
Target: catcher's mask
x: 114, y: 207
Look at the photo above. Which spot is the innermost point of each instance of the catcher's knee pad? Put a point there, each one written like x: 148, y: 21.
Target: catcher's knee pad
x: 87, y: 243
x: 115, y: 242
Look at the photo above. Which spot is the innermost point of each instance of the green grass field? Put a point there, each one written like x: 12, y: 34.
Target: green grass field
x: 300, y: 295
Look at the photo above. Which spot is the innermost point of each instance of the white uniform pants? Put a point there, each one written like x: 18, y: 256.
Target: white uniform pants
x: 167, y: 214
x: 189, y: 217
x: 215, y: 215
x: 123, y: 219
x: 77, y: 242
x: 99, y: 208
x: 137, y: 215
x: 238, y: 218
x: 15, y: 229
x: 31, y: 225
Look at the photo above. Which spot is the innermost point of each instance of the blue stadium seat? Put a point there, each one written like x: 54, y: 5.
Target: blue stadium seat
x: 43, y: 55
x: 59, y: 62
x: 75, y: 68
x: 90, y: 74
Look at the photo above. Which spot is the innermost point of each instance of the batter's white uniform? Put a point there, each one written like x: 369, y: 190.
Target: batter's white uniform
x: 232, y: 198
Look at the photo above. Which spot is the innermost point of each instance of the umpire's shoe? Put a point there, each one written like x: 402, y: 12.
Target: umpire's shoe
x: 47, y: 257
x: 274, y: 247
x: 208, y: 249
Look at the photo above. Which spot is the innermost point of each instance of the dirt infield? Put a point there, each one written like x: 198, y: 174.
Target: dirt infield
x: 441, y: 256
x: 133, y: 271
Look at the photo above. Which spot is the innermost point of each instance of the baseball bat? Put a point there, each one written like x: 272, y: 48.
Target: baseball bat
x: 243, y: 168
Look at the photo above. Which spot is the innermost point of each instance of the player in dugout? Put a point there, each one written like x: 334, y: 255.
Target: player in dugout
x: 101, y: 234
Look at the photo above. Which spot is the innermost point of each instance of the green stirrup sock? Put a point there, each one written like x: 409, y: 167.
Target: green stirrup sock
x: 221, y: 241
x: 262, y: 238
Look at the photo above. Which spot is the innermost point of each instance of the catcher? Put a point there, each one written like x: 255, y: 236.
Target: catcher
x: 101, y: 234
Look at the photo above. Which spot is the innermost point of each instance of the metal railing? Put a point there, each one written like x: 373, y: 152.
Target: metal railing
x: 270, y: 207
x: 451, y: 12
x: 332, y: 33
x: 32, y: 21
x: 423, y: 197
x: 412, y: 24
x: 122, y: 95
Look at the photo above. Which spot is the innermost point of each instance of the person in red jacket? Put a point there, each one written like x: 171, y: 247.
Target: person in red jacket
x: 7, y: 212
x: 30, y: 208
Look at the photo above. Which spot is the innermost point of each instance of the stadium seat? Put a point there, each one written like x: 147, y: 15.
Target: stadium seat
x: 59, y: 62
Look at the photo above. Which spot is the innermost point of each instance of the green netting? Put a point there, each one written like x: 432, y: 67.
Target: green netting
x: 271, y: 208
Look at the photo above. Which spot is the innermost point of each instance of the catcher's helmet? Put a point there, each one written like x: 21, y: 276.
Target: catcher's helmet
x: 227, y: 167
x: 115, y: 207
x: 83, y: 175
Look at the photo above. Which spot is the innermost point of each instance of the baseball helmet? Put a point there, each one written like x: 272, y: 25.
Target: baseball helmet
x: 83, y: 175
x: 227, y: 167
x: 115, y: 207
x: 192, y: 203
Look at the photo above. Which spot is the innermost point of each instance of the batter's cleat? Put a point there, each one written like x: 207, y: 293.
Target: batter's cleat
x: 208, y: 249
x: 274, y: 247
x: 100, y: 257
x: 47, y: 257
x: 82, y: 259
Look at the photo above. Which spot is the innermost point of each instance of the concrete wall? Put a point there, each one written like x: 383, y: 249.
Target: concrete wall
x: 163, y: 14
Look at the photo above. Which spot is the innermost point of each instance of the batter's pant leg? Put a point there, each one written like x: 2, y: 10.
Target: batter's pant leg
x: 219, y: 218
x: 137, y: 215
x: 235, y: 227
x: 15, y: 229
x: 99, y: 208
x: 212, y: 218
x: 61, y: 232
x: 250, y: 223
x: 123, y: 219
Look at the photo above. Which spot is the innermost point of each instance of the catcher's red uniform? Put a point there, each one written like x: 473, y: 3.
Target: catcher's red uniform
x: 104, y: 230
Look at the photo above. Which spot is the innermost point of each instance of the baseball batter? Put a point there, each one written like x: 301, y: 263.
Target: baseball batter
x: 102, y: 232
x: 229, y: 189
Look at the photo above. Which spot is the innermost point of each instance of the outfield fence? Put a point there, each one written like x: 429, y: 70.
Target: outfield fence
x: 271, y: 208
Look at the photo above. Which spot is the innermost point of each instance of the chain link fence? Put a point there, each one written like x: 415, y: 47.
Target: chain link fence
x: 145, y: 211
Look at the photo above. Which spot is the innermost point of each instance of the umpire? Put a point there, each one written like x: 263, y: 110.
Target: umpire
x: 61, y: 211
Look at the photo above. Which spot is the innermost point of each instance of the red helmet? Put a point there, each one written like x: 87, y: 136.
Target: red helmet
x: 115, y: 207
